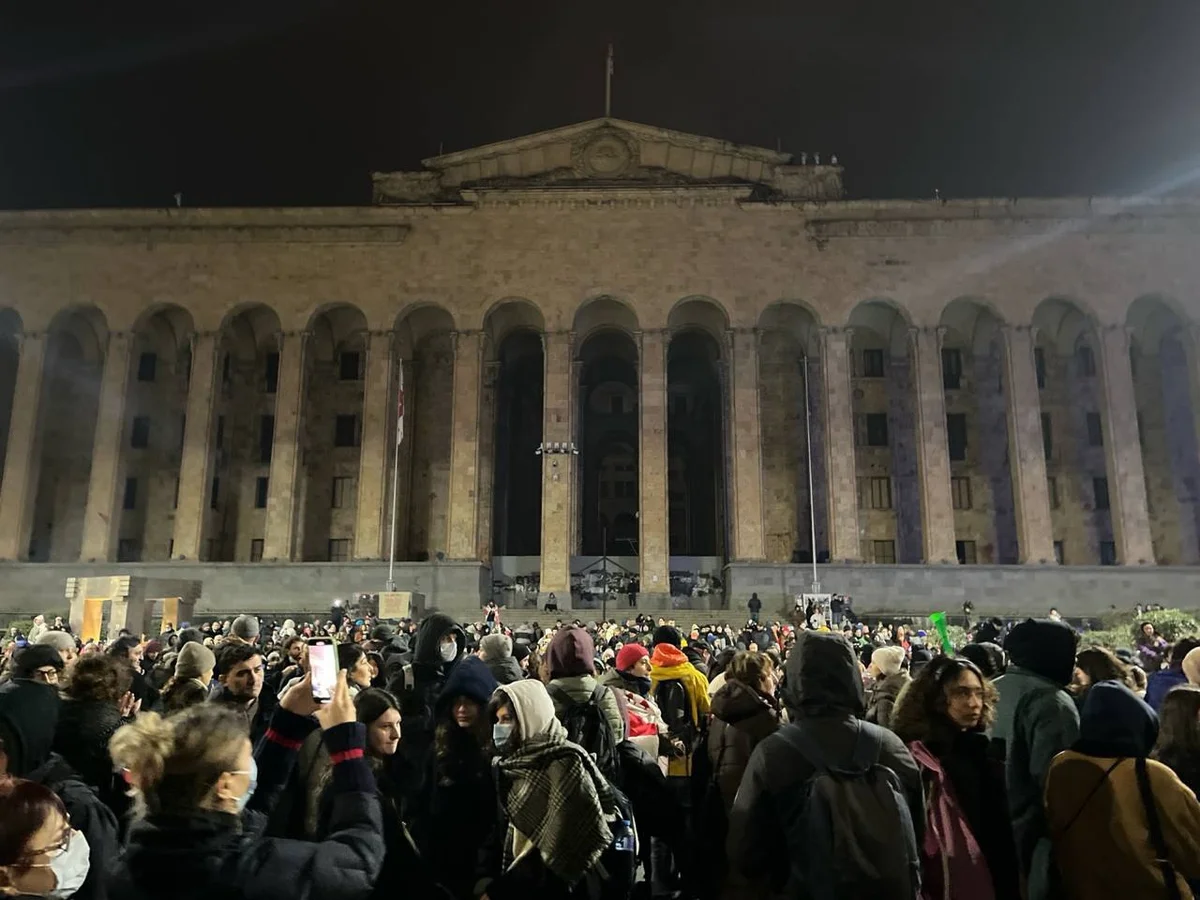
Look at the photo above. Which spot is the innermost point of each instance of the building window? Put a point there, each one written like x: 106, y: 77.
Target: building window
x: 339, y: 549
x: 171, y: 548
x: 872, y: 364
x: 349, y: 366
x: 1087, y: 361
x: 1100, y: 489
x: 1047, y: 435
x: 175, y: 496
x: 1052, y: 491
x: 1059, y: 552
x: 266, y: 438
x: 343, y: 492
x: 128, y: 550
x: 1108, y: 553
x: 226, y: 370
x: 129, y: 501
x: 616, y: 405
x: 220, y: 432
x: 147, y: 366
x: 881, y: 492
x: 952, y: 368
x: 884, y: 552
x: 345, y: 431
x: 261, y: 485
x: 1095, y: 430
x: 1039, y: 366
x: 256, y: 549
x: 1141, y: 430
x: 214, y: 496
x: 965, y: 550
x: 271, y: 379
x: 956, y: 436
x: 960, y: 492
x: 877, y: 429
x: 140, y: 438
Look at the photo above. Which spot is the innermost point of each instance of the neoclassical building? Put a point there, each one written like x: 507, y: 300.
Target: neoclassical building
x: 689, y: 357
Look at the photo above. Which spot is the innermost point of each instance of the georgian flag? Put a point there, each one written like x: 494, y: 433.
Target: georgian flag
x: 400, y: 408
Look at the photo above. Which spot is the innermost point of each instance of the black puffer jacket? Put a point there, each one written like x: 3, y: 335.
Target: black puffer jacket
x: 824, y: 696
x: 84, y: 729
x: 742, y: 718
x: 208, y: 855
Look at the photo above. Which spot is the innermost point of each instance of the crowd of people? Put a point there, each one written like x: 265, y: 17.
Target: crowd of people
x: 601, y: 760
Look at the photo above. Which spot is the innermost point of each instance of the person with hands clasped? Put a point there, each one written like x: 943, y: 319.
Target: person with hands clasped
x: 202, y: 797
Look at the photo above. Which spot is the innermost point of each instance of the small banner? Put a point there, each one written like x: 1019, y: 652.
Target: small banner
x: 939, y: 622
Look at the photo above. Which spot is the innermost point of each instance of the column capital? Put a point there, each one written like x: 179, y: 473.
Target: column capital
x: 285, y: 335
x: 833, y: 330
x: 23, y: 337
x: 937, y: 332
x: 1117, y: 331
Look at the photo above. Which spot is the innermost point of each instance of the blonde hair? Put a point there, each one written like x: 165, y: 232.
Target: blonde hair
x: 174, y: 762
x: 749, y: 667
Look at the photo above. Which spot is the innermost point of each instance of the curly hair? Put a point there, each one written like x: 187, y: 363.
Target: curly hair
x: 920, y: 712
x: 99, y: 677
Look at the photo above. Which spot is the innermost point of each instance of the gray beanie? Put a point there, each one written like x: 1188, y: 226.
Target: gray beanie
x: 496, y: 646
x: 194, y: 660
x: 245, y: 627
x: 59, y: 640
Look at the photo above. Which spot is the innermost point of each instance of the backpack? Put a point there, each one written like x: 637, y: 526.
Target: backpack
x: 588, y: 727
x: 615, y: 873
x: 855, y: 812
x: 676, y: 708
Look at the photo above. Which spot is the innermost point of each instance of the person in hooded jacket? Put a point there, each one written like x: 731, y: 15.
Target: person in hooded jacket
x: 1035, y: 719
x: 823, y: 694
x: 28, y: 720
x: 497, y: 652
x: 888, y: 671
x: 943, y: 717
x: 744, y: 712
x: 1097, y: 811
x: 572, y: 663
x: 202, y: 797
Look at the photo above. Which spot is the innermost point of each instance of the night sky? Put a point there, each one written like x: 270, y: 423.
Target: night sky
x: 117, y: 103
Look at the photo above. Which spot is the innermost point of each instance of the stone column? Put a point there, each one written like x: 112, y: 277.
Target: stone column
x: 558, y: 469
x: 653, y: 524
x: 18, y: 490
x: 464, y: 446
x: 102, y: 517
x: 1123, y: 451
x: 279, y: 542
x: 746, y: 497
x: 1031, y: 496
x: 933, y: 453
x: 371, y: 512
x: 576, y: 473
x: 191, y: 512
x: 840, y: 461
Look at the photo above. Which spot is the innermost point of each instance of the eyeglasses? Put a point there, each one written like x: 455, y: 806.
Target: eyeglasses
x: 46, y: 675
x: 53, y: 851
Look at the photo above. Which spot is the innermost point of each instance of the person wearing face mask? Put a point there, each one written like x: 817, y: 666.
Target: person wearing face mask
x: 202, y: 797
x: 41, y: 855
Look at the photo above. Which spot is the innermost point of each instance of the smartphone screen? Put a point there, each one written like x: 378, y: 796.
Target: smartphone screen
x: 322, y: 661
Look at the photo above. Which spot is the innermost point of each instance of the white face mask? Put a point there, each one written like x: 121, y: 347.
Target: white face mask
x: 449, y: 651
x: 70, y: 867
x: 501, y: 734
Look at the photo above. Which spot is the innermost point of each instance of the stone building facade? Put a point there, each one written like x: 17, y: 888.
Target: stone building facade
x: 1004, y: 386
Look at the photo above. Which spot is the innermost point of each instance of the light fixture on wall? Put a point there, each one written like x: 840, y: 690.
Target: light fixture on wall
x: 557, y: 447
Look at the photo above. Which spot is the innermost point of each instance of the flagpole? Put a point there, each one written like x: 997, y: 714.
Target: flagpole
x: 608, y: 74
x: 391, y: 579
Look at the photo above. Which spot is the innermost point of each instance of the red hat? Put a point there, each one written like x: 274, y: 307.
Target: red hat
x: 628, y: 656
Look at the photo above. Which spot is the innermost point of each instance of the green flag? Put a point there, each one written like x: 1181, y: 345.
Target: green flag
x: 939, y: 622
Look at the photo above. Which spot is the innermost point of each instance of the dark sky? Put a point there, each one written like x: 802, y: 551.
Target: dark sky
x: 256, y: 102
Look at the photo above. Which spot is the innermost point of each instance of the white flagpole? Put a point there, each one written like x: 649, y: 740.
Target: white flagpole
x: 391, y: 579
x: 812, y: 510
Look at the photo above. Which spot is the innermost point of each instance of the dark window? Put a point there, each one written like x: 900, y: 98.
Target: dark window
x: 885, y: 552
x: 1087, y: 361
x: 1052, y: 490
x: 342, y: 493
x: 1100, y: 489
x: 1059, y: 552
x: 348, y: 369
x: 951, y: 368
x: 965, y: 550
x: 140, y: 438
x: 872, y: 364
x: 175, y: 498
x: 616, y: 405
x: 215, y: 497
x: 147, y: 366
x: 170, y: 548
x: 130, y: 499
x: 960, y: 492
x: 1047, y: 435
x: 272, y: 373
x: 877, y: 429
x: 1039, y: 366
x: 220, y: 432
x: 881, y: 492
x: 128, y: 550
x: 1108, y: 553
x: 1095, y: 430
x: 266, y: 438
x: 256, y: 549
x: 339, y: 550
x: 227, y: 369
x: 260, y: 492
x: 956, y: 436
x: 345, y: 431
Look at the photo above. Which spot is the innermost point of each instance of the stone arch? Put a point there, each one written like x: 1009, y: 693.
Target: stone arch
x: 603, y: 313
x: 796, y: 322
x: 1061, y: 322
x: 79, y: 329
x: 333, y: 328
x: 249, y: 330
x: 973, y: 322
x: 884, y: 318
x: 417, y: 322
x: 1152, y: 318
x: 510, y: 315
x: 700, y: 314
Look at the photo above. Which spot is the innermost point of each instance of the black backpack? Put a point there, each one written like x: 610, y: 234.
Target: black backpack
x: 672, y: 699
x: 588, y: 727
x: 855, y: 812
x: 615, y: 873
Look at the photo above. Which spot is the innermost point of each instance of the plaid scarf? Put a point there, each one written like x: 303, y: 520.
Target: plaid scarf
x: 555, y: 796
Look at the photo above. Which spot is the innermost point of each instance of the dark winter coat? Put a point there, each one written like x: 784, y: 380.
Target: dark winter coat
x: 206, y: 855
x: 742, y: 718
x: 505, y: 670
x: 881, y: 698
x: 84, y: 729
x: 824, y: 696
